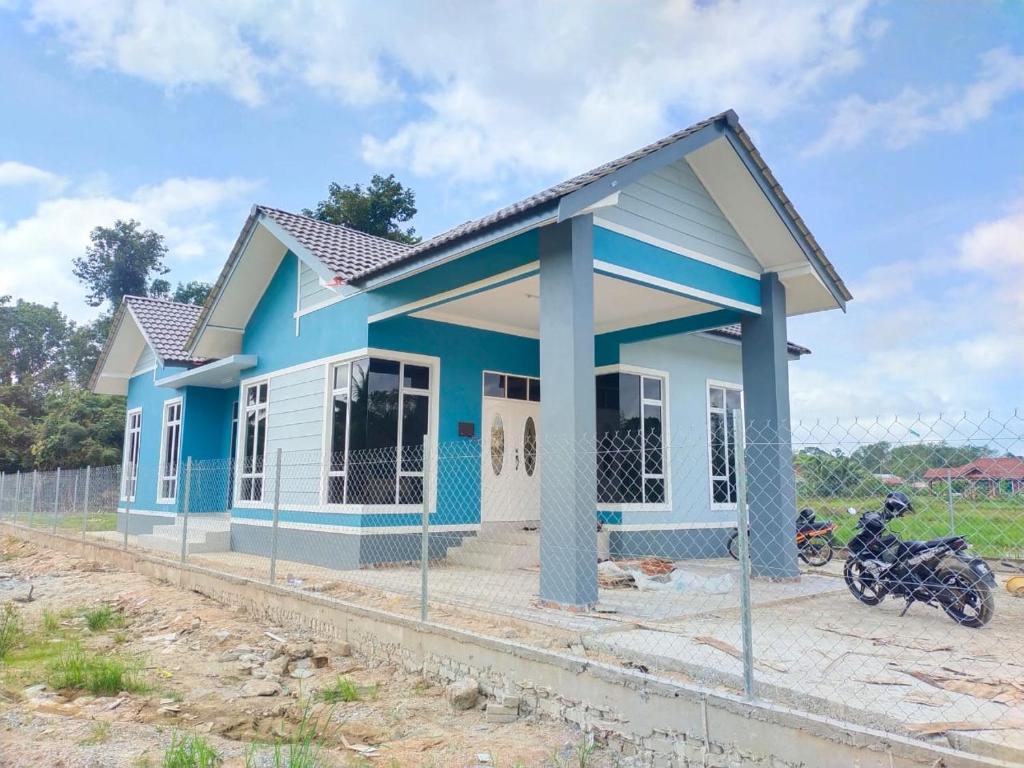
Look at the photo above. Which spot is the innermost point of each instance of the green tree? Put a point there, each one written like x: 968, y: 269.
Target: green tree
x: 119, y: 262
x: 32, y: 338
x: 16, y: 437
x: 83, y: 347
x: 78, y: 429
x: 376, y: 209
x: 192, y: 292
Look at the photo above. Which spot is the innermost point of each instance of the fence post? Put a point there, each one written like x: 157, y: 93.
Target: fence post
x: 743, y: 535
x: 425, y: 533
x: 184, y: 519
x: 17, y: 497
x: 56, y: 502
x: 129, y: 492
x: 74, y: 494
x: 85, y: 502
x: 949, y: 502
x: 32, y: 499
x: 277, y: 509
x: 3, y: 478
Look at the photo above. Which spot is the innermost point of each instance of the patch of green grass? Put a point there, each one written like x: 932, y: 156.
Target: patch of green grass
x: 192, y: 751
x: 96, y: 521
x: 98, y: 734
x: 11, y: 629
x: 303, y: 750
x: 75, y: 669
x: 342, y: 690
x: 50, y: 622
x: 103, y: 618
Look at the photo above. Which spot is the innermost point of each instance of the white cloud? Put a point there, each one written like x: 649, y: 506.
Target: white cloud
x: 484, y: 89
x: 924, y: 336
x: 911, y: 114
x: 13, y: 174
x: 36, y: 252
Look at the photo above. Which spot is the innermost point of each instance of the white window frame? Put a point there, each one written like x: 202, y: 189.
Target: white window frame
x: 130, y: 470
x: 735, y: 387
x: 666, y: 463
x: 167, y: 470
x: 328, y: 432
x: 243, y: 413
x: 531, y: 381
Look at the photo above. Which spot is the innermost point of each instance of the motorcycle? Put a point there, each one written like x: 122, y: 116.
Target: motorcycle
x: 814, y: 540
x: 940, y: 572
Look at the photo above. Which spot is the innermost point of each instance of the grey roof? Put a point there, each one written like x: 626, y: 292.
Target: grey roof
x: 346, y: 252
x: 732, y: 331
x: 167, y: 325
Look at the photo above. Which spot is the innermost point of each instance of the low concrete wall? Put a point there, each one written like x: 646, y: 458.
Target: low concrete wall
x: 661, y: 721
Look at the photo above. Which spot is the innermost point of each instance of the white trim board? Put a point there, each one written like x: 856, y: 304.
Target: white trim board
x: 353, y: 530
x: 643, y: 278
x: 666, y: 526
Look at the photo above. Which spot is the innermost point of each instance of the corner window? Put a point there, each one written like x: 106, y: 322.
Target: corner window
x: 132, y: 441
x: 378, y: 419
x: 725, y: 401
x: 630, y: 442
x: 254, y: 442
x: 170, y: 452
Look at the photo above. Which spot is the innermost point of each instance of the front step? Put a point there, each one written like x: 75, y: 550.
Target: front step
x: 204, y: 535
x: 498, y: 548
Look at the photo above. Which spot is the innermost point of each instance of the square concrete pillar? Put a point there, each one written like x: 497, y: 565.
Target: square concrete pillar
x: 771, y: 487
x: 568, y: 469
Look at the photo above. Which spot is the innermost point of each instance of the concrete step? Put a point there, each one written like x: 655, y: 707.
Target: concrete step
x: 486, y: 553
x: 512, y: 533
x: 204, y: 535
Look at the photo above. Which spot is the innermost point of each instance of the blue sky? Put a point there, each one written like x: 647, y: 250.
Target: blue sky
x: 897, y: 129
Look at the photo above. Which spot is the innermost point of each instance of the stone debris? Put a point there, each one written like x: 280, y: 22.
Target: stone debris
x: 463, y: 694
x: 261, y: 688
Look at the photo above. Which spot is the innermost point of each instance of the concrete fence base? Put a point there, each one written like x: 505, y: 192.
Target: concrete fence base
x: 660, y: 721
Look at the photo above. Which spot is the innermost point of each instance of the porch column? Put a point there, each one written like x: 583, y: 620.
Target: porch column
x: 771, y: 488
x: 568, y: 478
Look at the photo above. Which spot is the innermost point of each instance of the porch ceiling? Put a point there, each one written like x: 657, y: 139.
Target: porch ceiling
x: 515, y: 307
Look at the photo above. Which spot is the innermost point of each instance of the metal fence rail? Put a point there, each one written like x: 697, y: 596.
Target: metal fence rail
x: 694, y: 561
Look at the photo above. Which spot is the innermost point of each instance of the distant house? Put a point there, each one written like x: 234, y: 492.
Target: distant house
x: 888, y: 480
x: 989, y: 476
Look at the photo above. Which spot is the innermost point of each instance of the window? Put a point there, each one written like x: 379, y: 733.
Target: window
x: 254, y: 442
x: 380, y: 410
x: 132, y: 440
x: 630, y: 443
x: 170, y: 452
x: 724, y: 400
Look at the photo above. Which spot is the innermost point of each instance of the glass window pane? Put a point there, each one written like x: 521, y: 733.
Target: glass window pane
x: 494, y: 385
x: 497, y: 444
x: 257, y: 489
x: 516, y: 388
x: 732, y: 399
x: 336, y: 489
x: 416, y: 376
x: 250, y: 395
x: 341, y: 376
x: 250, y: 442
x: 720, y: 492
x: 338, y: 426
x: 629, y: 402
x: 652, y: 439
x: 654, y: 491
x: 530, y: 446
x: 535, y: 390
x: 382, y: 404
x: 261, y: 440
x: 357, y: 406
x: 718, y: 451
x: 263, y: 393
x: 717, y: 397
x: 415, y: 415
x: 410, y: 490
x: 652, y: 389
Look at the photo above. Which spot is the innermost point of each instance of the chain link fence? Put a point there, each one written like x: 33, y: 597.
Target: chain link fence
x: 725, y: 554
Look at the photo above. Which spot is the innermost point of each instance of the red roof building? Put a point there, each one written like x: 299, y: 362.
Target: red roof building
x: 996, y: 475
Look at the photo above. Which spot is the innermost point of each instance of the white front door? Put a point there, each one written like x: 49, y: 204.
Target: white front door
x: 510, y: 470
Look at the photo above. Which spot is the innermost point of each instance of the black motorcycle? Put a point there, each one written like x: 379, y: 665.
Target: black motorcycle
x: 941, y: 572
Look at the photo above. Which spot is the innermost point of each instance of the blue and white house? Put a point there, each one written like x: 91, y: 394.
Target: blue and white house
x: 648, y: 294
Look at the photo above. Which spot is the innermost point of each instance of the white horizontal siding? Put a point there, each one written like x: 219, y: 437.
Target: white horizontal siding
x: 146, y: 360
x: 672, y: 205
x: 311, y: 292
x: 295, y: 425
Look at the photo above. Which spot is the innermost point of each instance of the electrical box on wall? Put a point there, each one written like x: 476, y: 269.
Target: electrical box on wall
x: 467, y: 429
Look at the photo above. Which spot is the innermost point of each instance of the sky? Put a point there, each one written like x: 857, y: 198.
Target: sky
x: 897, y: 128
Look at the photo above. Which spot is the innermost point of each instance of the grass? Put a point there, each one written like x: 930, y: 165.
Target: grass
x: 304, y: 749
x: 192, y: 751
x: 344, y: 690
x: 103, y: 618
x: 74, y: 669
x: 98, y: 734
x: 96, y: 521
x: 994, y: 527
x: 50, y: 622
x: 11, y: 630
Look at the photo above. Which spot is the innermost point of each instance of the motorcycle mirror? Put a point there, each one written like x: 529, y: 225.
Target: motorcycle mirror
x: 851, y: 510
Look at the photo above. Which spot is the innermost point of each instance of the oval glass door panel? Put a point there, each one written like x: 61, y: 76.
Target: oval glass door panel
x: 530, y: 446
x: 497, y: 444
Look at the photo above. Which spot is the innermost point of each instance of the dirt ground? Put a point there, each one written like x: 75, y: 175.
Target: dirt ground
x: 203, y: 668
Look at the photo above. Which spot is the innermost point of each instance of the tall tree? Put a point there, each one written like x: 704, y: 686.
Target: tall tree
x: 119, y: 262
x: 192, y: 292
x: 32, y: 339
x: 84, y: 344
x: 376, y: 209
x: 79, y: 429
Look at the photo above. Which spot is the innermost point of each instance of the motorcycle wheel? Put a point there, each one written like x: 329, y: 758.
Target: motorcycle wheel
x: 977, y: 605
x: 816, y: 552
x: 861, y: 583
x: 733, y: 545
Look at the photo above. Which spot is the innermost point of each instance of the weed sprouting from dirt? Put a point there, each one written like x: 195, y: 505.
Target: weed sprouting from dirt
x: 303, y: 750
x: 103, y: 618
x: 99, y: 675
x: 341, y: 690
x: 50, y: 622
x: 98, y: 734
x: 192, y: 751
x: 10, y: 628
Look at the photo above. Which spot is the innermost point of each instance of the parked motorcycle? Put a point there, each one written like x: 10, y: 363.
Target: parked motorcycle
x: 813, y: 539
x: 941, y: 572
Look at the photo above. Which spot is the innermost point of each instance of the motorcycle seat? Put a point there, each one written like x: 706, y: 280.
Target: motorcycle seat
x: 917, y: 546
